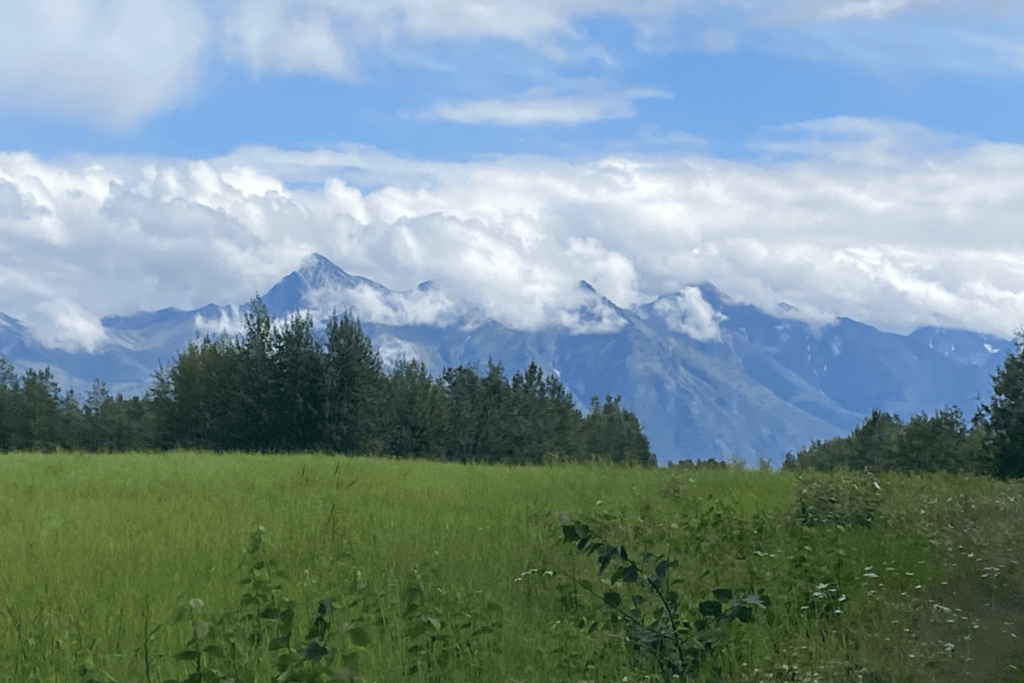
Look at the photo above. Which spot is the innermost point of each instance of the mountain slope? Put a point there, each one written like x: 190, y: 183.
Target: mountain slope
x: 707, y: 376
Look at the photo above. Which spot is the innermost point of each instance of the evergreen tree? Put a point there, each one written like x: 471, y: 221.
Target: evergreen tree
x: 36, y: 414
x: 355, y: 387
x: 1005, y: 414
x: 531, y: 429
x: 203, y: 403
x: 546, y: 420
x: 565, y: 422
x: 255, y: 377
x: 416, y: 419
x: 71, y: 427
x: 497, y: 415
x: 99, y: 430
x: 8, y: 400
x: 462, y: 387
x: 613, y: 433
x: 298, y: 388
x: 162, y: 409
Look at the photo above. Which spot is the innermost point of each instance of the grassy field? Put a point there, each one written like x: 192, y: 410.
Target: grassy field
x: 113, y: 564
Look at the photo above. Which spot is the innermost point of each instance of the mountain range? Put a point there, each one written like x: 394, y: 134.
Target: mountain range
x: 709, y: 377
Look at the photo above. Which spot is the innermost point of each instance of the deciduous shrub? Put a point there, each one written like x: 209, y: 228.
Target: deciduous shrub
x: 844, y: 498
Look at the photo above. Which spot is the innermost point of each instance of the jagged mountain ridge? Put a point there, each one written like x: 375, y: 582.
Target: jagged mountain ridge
x: 744, y: 383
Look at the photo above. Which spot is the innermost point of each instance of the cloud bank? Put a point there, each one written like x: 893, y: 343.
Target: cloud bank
x: 884, y: 222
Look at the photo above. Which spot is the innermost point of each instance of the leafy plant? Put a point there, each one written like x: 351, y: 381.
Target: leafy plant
x: 242, y: 646
x: 637, y: 605
x: 844, y: 498
x: 443, y: 638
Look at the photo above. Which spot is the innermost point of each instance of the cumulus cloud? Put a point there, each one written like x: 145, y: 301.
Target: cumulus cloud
x: 688, y: 313
x: 879, y: 221
x: 64, y: 324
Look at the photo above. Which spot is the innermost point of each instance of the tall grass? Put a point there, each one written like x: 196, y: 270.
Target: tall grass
x: 99, y: 551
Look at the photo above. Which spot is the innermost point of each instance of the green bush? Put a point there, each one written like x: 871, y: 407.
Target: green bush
x: 843, y: 498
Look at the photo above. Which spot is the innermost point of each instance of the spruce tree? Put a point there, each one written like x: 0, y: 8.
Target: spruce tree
x: 1005, y: 414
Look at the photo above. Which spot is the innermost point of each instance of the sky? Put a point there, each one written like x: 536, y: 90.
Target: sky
x: 858, y: 158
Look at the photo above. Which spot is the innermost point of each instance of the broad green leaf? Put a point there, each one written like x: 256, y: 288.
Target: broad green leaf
x: 360, y: 637
x: 214, y: 650
x: 710, y: 608
x: 722, y: 594
x: 661, y: 571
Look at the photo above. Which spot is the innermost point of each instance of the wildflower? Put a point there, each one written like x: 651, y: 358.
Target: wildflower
x: 195, y: 603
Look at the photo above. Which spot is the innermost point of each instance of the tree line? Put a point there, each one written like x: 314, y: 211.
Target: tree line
x: 283, y: 386
x: 992, y: 444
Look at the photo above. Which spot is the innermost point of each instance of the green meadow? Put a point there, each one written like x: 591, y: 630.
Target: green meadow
x: 130, y: 567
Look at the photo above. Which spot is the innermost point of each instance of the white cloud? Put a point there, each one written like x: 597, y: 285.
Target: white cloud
x: 716, y: 41
x: 589, y: 315
x: 415, y: 307
x: 117, y: 62
x: 229, y: 321
x: 392, y: 350
x: 110, y: 61
x: 539, y: 107
x: 688, y: 313
x: 869, y: 9
x: 879, y: 221
x: 894, y: 36
x: 64, y: 324
x: 327, y: 36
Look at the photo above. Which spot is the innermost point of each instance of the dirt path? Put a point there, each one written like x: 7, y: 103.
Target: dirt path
x: 973, y: 629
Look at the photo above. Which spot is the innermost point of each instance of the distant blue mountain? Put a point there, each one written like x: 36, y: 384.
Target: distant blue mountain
x: 707, y: 376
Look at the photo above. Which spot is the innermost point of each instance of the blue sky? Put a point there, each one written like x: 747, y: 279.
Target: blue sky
x: 851, y: 157
x: 726, y: 97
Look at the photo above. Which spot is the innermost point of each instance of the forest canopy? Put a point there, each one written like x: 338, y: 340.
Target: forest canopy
x: 284, y: 386
x: 993, y: 444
